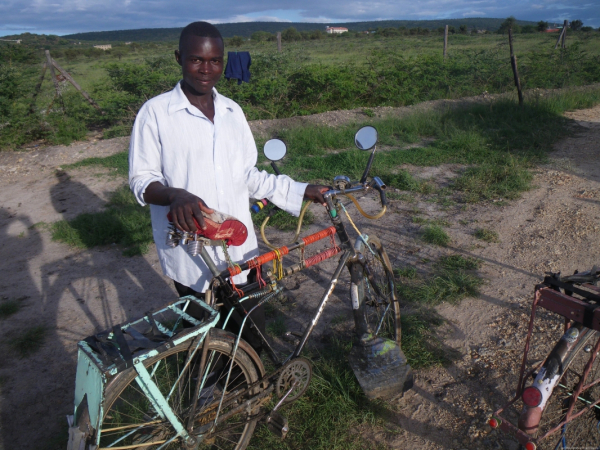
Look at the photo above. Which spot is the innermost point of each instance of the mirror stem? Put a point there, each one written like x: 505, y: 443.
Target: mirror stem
x: 274, y: 166
x: 368, y: 168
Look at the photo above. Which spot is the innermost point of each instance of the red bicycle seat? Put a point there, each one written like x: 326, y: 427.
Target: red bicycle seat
x: 221, y: 227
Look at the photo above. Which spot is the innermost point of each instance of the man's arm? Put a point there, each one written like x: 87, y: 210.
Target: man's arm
x: 185, y: 207
x: 147, y: 180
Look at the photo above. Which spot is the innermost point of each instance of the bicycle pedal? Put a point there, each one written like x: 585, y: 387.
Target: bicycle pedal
x: 278, y: 425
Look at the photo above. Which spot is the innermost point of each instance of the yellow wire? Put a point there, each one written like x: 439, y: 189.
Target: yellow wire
x: 298, y: 228
x: 360, y: 210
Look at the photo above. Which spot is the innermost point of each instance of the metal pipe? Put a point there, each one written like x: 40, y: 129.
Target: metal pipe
x: 334, y: 279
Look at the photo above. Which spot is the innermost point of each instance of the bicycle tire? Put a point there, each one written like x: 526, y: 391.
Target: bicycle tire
x: 584, y: 431
x: 381, y: 310
x: 126, y: 403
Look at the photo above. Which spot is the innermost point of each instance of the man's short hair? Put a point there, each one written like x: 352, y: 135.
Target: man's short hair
x: 200, y: 29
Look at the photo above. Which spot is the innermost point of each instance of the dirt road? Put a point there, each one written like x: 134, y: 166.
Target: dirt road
x: 74, y: 293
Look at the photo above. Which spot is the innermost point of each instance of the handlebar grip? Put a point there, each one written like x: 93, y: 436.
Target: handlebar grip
x: 259, y: 205
x: 383, y: 197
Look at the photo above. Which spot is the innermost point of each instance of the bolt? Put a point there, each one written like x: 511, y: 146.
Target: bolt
x: 588, y: 348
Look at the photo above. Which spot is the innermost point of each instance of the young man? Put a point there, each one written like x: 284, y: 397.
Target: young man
x: 192, y: 150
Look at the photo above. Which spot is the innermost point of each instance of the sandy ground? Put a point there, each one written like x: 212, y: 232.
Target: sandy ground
x: 75, y: 293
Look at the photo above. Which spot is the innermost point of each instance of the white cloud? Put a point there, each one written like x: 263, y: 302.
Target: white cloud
x: 244, y: 18
x: 473, y: 14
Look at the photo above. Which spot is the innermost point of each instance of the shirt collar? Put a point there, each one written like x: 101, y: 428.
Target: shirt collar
x: 179, y: 101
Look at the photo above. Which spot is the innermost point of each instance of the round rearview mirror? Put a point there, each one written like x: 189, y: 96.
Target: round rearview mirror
x: 275, y: 149
x: 366, y: 138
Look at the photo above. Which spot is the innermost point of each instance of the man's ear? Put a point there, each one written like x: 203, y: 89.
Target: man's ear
x: 178, y: 57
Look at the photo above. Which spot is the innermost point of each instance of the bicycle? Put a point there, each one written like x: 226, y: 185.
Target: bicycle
x: 172, y: 379
x: 560, y: 409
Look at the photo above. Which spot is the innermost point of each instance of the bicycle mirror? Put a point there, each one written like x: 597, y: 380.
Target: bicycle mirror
x: 275, y: 149
x: 366, y: 138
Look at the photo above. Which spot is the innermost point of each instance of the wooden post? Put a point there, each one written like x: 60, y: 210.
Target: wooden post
x: 38, y: 87
x: 53, y: 74
x: 560, y: 38
x: 76, y: 86
x: 445, y: 41
x: 279, y: 41
x: 513, y: 63
x: 564, y: 34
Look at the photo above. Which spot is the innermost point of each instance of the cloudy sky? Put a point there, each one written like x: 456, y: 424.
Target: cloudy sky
x: 72, y: 16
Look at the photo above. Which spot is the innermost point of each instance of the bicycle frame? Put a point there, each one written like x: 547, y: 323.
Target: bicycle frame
x: 575, y: 312
x: 349, y: 256
x: 94, y: 373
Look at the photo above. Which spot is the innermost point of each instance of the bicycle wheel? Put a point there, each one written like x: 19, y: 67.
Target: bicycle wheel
x: 376, y: 290
x: 583, y: 431
x: 131, y: 422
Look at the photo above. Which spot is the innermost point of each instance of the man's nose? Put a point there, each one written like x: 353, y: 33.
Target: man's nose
x: 204, y: 66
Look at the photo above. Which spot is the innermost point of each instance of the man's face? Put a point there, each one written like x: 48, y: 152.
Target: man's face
x: 201, y: 61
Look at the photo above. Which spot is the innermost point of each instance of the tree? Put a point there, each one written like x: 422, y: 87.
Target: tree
x: 317, y: 34
x: 260, y: 36
x: 528, y: 29
x: 71, y: 54
x: 463, y: 29
x: 236, y: 41
x: 291, y: 34
x: 542, y: 25
x: 576, y: 25
x: 511, y: 22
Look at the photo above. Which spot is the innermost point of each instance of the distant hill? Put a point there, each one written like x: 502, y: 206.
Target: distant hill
x: 247, y: 28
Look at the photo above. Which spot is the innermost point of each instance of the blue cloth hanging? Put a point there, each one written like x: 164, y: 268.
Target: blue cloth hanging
x: 238, y: 66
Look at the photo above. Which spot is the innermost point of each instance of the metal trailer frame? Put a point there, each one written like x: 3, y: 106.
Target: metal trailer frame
x: 573, y: 310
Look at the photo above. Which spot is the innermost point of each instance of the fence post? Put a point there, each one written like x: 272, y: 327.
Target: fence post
x: 564, y: 35
x: 445, y: 41
x: 54, y: 80
x: 513, y: 63
x: 560, y: 37
x: 76, y: 86
x: 279, y: 41
x: 38, y: 87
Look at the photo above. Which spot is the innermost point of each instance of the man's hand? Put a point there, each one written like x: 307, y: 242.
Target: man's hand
x: 185, y: 207
x: 315, y: 193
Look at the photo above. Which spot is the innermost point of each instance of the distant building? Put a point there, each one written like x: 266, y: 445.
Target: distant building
x: 103, y: 47
x: 18, y: 41
x: 336, y: 30
x: 552, y: 30
x: 127, y: 43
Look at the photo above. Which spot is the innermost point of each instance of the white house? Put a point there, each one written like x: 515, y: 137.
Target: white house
x: 103, y: 47
x: 336, y: 30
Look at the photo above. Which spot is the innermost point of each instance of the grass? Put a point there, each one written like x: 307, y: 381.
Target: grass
x: 117, y: 163
x: 494, y: 141
x: 123, y: 222
x: 29, y: 341
x: 451, y: 280
x: 8, y: 308
x: 487, y: 235
x: 435, y: 234
x: 330, y: 413
x: 277, y: 327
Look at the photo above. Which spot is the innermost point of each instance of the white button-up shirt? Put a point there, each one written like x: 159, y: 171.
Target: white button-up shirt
x: 174, y: 143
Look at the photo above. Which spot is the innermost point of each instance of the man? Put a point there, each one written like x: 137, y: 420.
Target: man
x: 192, y: 150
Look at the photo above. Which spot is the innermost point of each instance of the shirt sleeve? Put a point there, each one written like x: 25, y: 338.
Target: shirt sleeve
x: 144, y: 154
x: 279, y: 189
